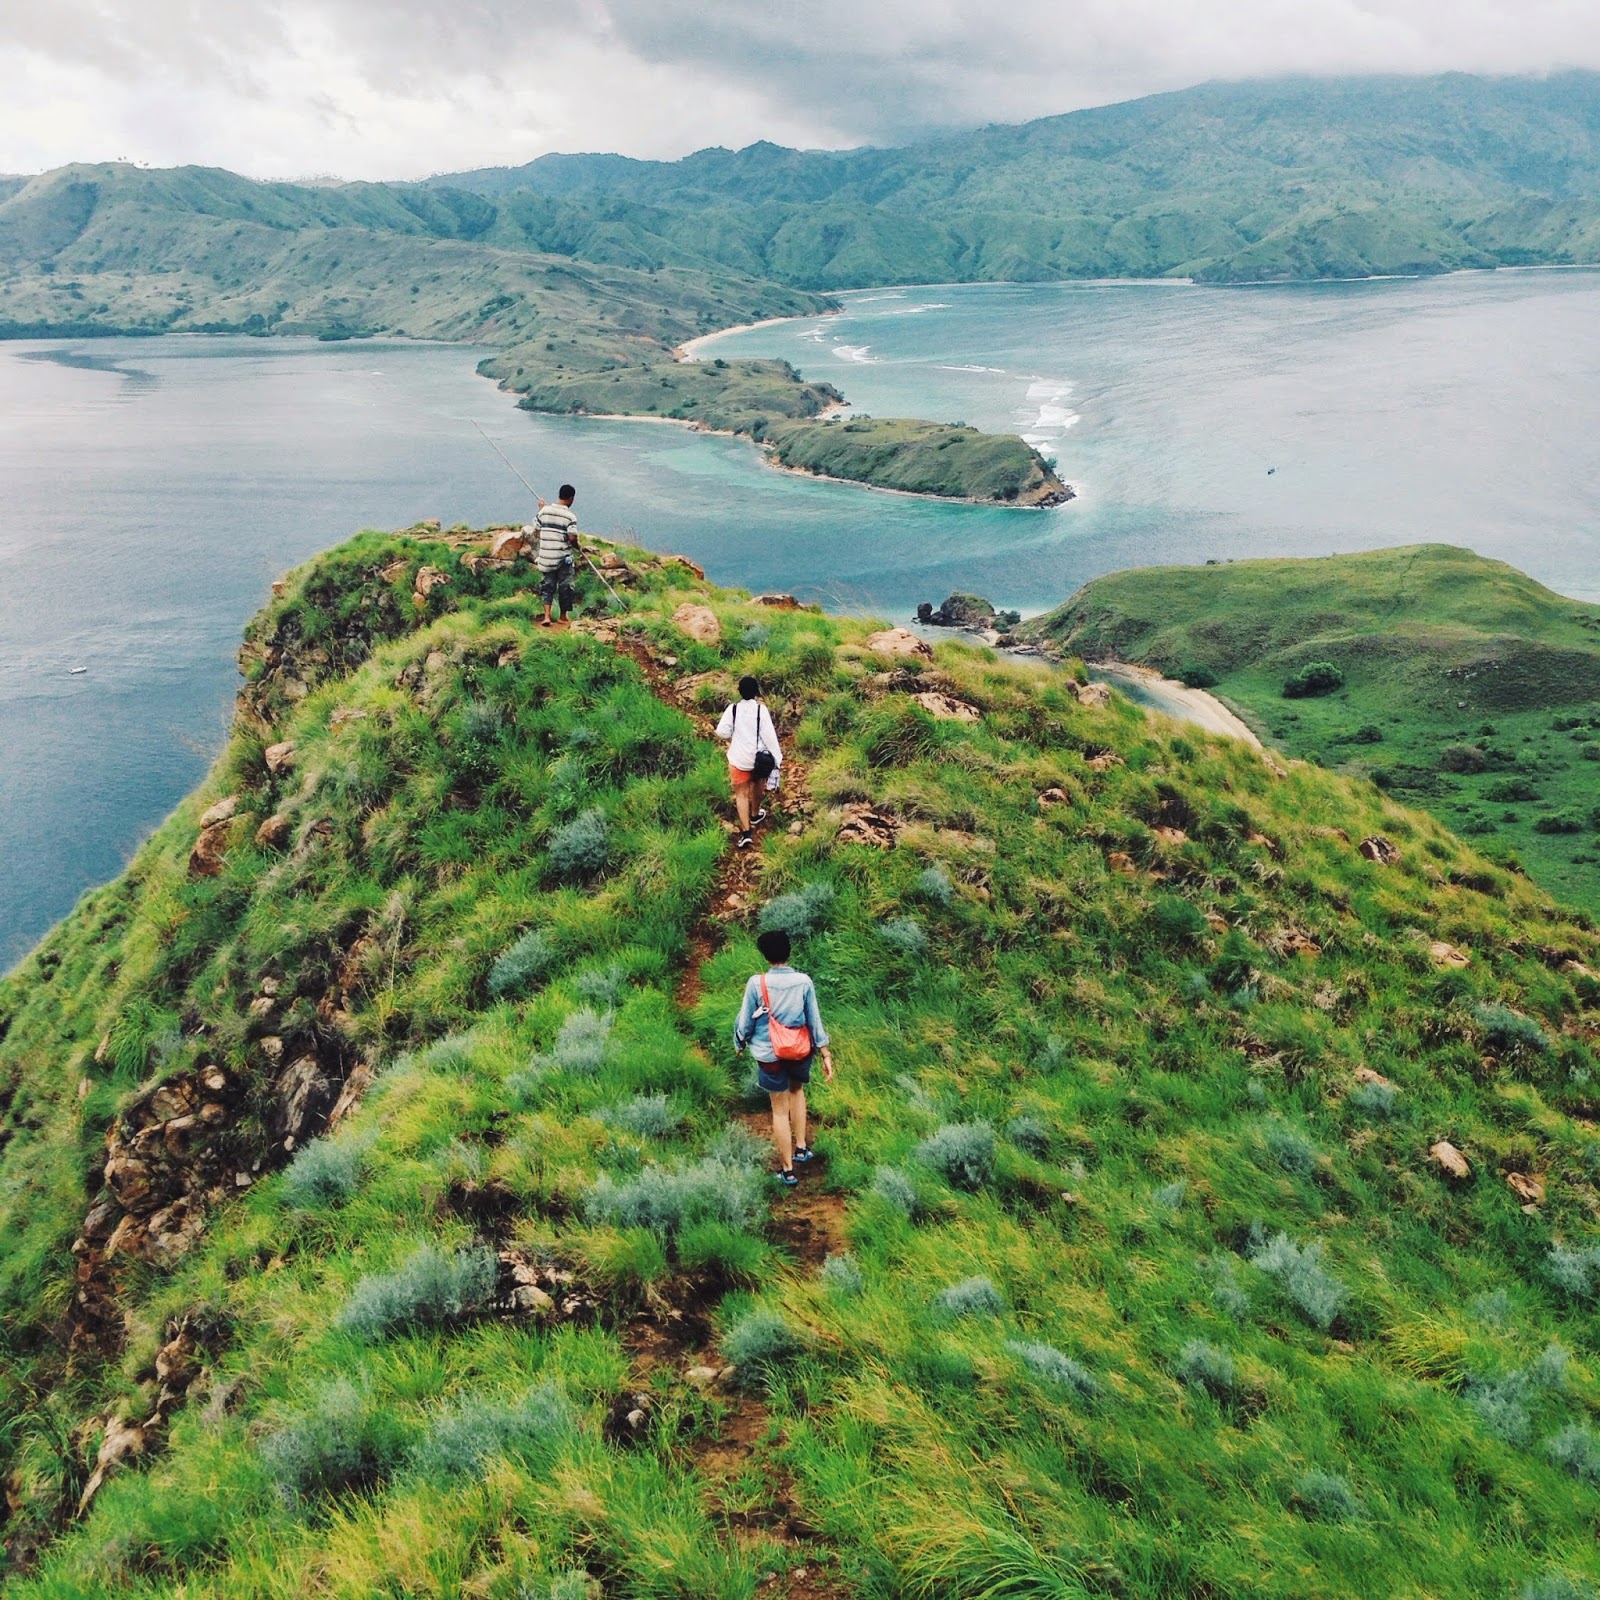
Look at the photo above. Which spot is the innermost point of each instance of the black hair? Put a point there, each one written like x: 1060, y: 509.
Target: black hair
x: 774, y: 945
x: 566, y: 492
x: 749, y: 689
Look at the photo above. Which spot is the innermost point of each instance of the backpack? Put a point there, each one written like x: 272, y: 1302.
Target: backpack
x: 762, y: 767
x: 788, y: 1043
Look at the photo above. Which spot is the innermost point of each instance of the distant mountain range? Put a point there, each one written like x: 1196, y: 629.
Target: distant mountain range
x: 1225, y: 182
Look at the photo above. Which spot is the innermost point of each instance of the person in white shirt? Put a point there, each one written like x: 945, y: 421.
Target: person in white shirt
x: 753, y: 753
x: 554, y: 536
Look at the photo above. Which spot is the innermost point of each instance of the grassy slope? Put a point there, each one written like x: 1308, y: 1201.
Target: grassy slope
x: 104, y: 249
x: 1440, y: 649
x: 1164, y: 1029
x: 1298, y: 178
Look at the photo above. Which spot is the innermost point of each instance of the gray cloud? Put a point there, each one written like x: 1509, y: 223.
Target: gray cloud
x: 400, y: 87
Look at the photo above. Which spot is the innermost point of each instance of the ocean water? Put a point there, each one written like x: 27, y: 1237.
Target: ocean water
x: 153, y: 487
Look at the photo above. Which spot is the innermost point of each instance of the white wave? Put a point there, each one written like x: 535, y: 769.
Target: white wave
x: 855, y: 352
x: 911, y: 311
x: 867, y: 299
x: 946, y: 367
x: 1045, y: 423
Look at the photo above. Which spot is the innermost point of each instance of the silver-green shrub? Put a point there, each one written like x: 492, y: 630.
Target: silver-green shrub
x: 1203, y: 1365
x: 582, y: 847
x: 1327, y: 1498
x: 428, y: 1290
x: 522, y: 964
x: 799, y: 912
x: 1305, y: 1282
x: 1055, y: 1368
x: 962, y: 1153
x: 325, y: 1172
x: 464, y: 1437
x: 971, y: 1297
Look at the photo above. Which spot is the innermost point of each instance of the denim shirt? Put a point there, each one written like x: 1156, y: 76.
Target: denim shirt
x: 794, y: 1000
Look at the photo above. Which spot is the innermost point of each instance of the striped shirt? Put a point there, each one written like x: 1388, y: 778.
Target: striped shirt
x: 554, y: 525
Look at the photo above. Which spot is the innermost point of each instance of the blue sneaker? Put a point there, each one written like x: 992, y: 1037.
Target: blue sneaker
x: 787, y: 1179
x: 803, y: 1153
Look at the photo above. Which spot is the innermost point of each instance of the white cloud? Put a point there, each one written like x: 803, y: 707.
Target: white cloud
x: 386, y: 88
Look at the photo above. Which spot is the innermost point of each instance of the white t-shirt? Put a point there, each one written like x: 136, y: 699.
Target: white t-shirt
x: 747, y: 725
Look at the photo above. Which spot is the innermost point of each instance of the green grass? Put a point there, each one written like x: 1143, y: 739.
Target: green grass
x: 1468, y: 688
x: 1133, y: 1294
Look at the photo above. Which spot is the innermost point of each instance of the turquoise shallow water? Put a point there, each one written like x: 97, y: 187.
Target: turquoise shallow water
x: 153, y: 487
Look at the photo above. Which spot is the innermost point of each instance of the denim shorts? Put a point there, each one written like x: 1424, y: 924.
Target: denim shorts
x: 776, y: 1076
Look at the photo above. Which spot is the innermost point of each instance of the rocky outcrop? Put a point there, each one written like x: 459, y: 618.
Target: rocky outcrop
x: 899, y: 642
x: 946, y: 707
x: 699, y: 622
x: 970, y: 611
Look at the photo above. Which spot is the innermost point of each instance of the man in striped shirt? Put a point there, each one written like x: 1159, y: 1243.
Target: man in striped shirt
x: 554, y: 533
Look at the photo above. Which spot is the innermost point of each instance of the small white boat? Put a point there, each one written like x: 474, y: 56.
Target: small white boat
x: 72, y: 672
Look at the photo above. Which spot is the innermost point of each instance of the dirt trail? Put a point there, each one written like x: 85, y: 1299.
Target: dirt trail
x: 671, y: 1340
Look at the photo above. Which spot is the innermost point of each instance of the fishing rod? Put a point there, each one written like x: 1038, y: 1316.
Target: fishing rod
x: 535, y: 493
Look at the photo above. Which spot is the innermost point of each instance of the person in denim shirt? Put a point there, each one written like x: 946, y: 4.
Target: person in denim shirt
x: 794, y: 1001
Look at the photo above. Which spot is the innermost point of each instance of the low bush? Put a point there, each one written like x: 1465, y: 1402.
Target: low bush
x: 1171, y: 1195
x: 1202, y: 1365
x: 843, y: 1276
x: 345, y: 1443
x: 646, y: 1116
x: 895, y: 1189
x: 1559, y: 822
x: 1557, y: 1586
x: 962, y: 1153
x: 581, y: 848
x: 1509, y: 1032
x: 758, y: 1344
x: 522, y: 964
x: 1289, y: 1151
x: 668, y: 1200
x: 798, y: 913
x: 1462, y: 758
x: 1055, y: 1368
x: 581, y: 1041
x: 906, y: 935
x: 1511, y: 791
x: 934, y: 885
x: 463, y: 1438
x: 1226, y: 1294
x: 429, y: 1290
x: 1576, y: 1450
x: 1196, y: 676
x: 1314, y: 678
x: 324, y: 1173
x: 1379, y: 1101
x: 1176, y: 921
x: 1502, y: 1403
x: 971, y: 1297
x: 1305, y: 1282
x: 1030, y: 1134
x: 1326, y: 1498
x: 1575, y: 1269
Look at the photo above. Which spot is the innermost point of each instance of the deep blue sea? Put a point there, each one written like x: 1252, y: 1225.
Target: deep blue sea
x: 153, y: 487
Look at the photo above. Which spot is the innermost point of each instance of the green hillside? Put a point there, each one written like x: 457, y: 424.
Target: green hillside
x: 1468, y: 688
x: 113, y: 248
x: 1300, y: 178
x: 1203, y: 1208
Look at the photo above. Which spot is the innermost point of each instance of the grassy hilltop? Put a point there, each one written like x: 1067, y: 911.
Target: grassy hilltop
x: 1468, y: 688
x: 113, y: 249
x: 1204, y: 1207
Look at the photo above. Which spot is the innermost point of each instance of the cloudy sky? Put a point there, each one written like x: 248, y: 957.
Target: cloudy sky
x: 402, y: 88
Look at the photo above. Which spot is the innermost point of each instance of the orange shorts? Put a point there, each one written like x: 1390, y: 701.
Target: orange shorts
x: 737, y: 777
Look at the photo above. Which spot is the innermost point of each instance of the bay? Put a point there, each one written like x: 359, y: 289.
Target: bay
x: 153, y: 487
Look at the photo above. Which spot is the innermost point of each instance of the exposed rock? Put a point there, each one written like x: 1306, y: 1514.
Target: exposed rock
x: 346, y: 714
x: 1273, y: 764
x: 122, y: 1441
x: 355, y: 1088
x: 1447, y: 955
x: 394, y: 569
x: 699, y: 622
x: 721, y: 682
x: 684, y: 561
x: 303, y: 1090
x: 863, y: 824
x: 1171, y: 837
x: 779, y: 602
x: 1379, y: 849
x: 508, y: 657
x: 947, y: 707
x: 274, y: 833
x: 529, y: 1300
x: 222, y: 811
x: 702, y: 1377
x: 1367, y: 1075
x: 1527, y: 1187
x: 1271, y: 846
x: 1450, y: 1160
x: 206, y: 859
x: 1054, y: 796
x: 428, y: 579
x: 279, y: 757
x: 899, y: 642
x: 958, y: 611
x: 508, y: 543
x: 262, y: 1006
x: 1093, y: 695
x: 1104, y: 762
x: 1121, y: 861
